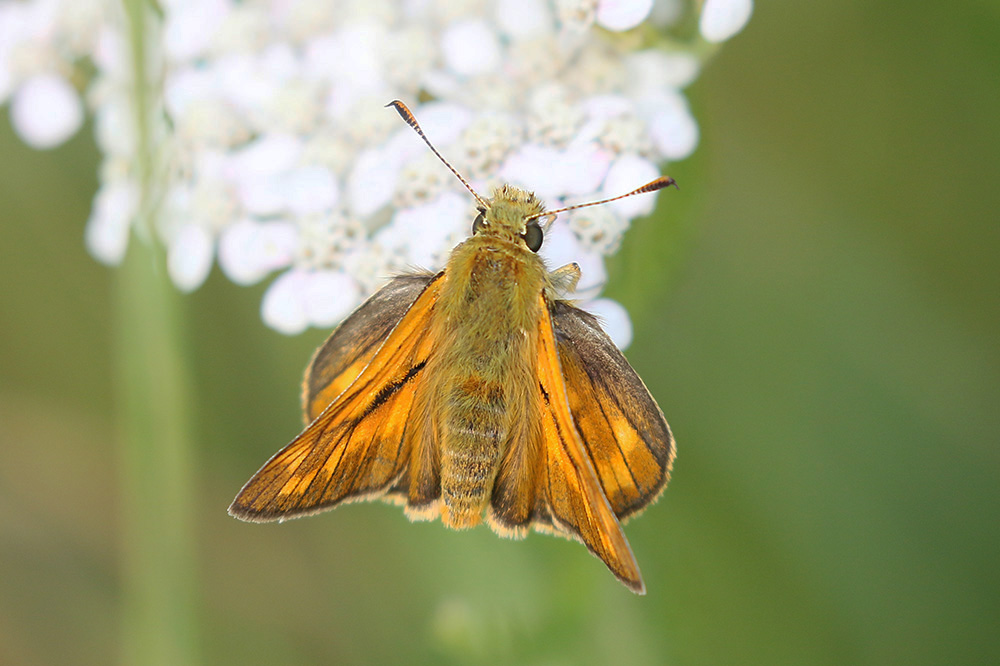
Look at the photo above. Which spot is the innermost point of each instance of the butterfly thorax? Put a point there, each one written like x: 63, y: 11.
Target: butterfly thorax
x: 490, y: 302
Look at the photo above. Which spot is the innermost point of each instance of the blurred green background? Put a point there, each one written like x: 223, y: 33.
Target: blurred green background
x: 823, y: 338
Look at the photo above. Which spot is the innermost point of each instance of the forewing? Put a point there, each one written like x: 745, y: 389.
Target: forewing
x: 571, y: 501
x: 339, y: 361
x: 621, y: 425
x: 360, y: 444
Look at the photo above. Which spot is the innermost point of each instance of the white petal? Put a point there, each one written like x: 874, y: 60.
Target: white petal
x: 262, y: 196
x: 114, y: 126
x: 426, y: 233
x: 243, y: 83
x: 310, y: 189
x: 176, y: 210
x: 283, y: 307
x: 627, y: 173
x: 371, y: 182
x: 6, y: 80
x: 552, y: 173
x: 258, y: 170
x: 189, y: 84
x: 250, y: 250
x: 721, y: 19
x: 45, y: 111
x: 329, y: 296
x: 246, y: 29
x: 672, y: 127
x: 522, y: 19
x: 40, y: 18
x: 189, y: 28
x: 189, y: 257
x: 584, y: 167
x: 621, y: 15
x: 604, y: 107
x: 111, y: 53
x: 213, y: 164
x: 276, y: 244
x: 652, y: 70
x: 614, y: 320
x: 13, y: 27
x: 210, y: 121
x: 107, y: 230
x: 542, y: 169
x: 279, y: 62
x: 351, y: 56
x: 470, y: 47
x: 267, y: 156
x: 441, y: 121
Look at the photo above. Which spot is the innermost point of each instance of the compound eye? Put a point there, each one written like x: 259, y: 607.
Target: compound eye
x: 479, y: 222
x: 532, y: 236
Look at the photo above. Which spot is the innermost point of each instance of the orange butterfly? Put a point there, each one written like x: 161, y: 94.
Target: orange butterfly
x: 477, y: 390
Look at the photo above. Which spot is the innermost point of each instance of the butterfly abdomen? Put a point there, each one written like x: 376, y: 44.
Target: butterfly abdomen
x: 474, y: 429
x: 488, y: 303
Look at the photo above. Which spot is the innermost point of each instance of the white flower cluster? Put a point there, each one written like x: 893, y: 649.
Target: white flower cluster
x: 272, y: 150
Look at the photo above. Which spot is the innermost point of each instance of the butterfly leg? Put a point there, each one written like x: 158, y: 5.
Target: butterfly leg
x: 564, y: 280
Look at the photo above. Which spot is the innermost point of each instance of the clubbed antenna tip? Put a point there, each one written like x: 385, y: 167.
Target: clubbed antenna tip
x: 651, y: 186
x: 411, y: 120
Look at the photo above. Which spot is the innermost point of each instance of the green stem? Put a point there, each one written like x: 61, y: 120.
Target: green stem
x: 156, y: 469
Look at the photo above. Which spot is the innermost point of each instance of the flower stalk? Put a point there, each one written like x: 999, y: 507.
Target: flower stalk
x: 156, y: 466
x: 155, y: 452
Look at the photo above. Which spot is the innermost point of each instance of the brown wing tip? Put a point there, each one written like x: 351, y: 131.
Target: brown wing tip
x: 635, y: 585
x: 243, y: 509
x: 627, y: 571
x: 246, y: 514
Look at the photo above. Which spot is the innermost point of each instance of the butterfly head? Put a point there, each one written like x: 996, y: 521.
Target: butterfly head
x: 511, y: 213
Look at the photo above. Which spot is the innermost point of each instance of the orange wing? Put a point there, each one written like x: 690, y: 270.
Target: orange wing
x: 339, y: 361
x: 621, y: 425
x: 362, y: 442
x: 571, y: 501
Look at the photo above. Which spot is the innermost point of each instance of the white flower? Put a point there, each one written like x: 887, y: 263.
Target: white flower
x: 621, y: 15
x: 671, y: 126
x: 249, y: 250
x: 45, y: 111
x: 421, y: 234
x: 523, y: 19
x: 115, y: 206
x: 189, y: 27
x: 189, y: 257
x: 471, y: 47
x: 552, y: 173
x: 721, y: 19
x: 299, y: 299
x: 270, y: 152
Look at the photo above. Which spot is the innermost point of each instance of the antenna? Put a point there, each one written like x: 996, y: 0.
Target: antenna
x: 408, y: 116
x: 652, y: 186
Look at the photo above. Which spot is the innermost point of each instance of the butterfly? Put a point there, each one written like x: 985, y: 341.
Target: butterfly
x: 478, y: 392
